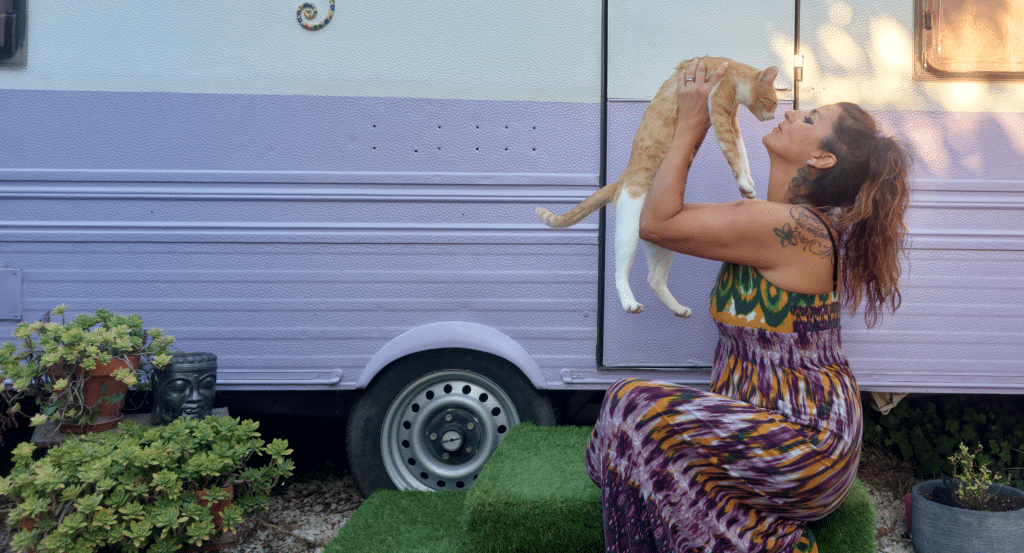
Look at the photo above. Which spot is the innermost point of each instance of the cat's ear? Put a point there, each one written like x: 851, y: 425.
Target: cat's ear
x: 768, y: 75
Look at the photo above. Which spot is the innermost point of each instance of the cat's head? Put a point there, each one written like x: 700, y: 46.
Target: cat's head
x: 764, y: 98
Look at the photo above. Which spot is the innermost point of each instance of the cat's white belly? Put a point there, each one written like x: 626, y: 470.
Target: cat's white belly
x: 659, y: 259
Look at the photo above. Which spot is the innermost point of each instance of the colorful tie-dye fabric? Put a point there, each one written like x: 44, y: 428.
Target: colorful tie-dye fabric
x: 774, y: 444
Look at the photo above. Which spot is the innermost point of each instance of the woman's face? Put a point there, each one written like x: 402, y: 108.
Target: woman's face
x: 797, y: 138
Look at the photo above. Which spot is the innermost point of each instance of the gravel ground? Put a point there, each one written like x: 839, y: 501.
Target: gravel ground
x: 303, y: 517
x: 890, y: 520
x: 887, y: 480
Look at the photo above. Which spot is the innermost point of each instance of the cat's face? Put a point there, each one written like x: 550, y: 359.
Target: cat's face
x: 765, y: 98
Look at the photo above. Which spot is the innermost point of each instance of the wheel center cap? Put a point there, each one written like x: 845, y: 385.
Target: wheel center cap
x: 451, y: 440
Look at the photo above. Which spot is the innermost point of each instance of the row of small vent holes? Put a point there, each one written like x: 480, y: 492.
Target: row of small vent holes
x: 477, y: 148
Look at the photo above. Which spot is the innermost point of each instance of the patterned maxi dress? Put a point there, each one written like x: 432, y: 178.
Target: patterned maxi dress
x: 741, y: 468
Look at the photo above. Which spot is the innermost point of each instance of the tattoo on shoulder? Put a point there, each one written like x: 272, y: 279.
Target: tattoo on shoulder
x: 805, y: 231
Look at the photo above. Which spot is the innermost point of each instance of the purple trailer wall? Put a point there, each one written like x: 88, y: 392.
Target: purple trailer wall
x: 296, y: 236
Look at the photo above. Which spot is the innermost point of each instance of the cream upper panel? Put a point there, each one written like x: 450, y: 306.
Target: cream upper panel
x: 648, y: 39
x: 863, y: 51
x: 456, y: 49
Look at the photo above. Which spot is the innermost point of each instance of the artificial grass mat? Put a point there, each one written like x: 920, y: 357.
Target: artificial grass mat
x: 851, y: 527
x: 534, y: 495
x: 392, y: 521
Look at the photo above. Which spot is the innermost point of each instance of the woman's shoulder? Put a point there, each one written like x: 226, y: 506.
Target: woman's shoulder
x: 763, y: 234
x: 788, y: 225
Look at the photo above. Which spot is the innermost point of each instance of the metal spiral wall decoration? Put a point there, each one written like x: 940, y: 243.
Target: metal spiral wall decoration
x: 307, y: 12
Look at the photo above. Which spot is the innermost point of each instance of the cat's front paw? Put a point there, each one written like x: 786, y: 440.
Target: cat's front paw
x: 633, y: 307
x: 746, y: 187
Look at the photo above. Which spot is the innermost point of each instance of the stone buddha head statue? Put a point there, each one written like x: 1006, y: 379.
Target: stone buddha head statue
x: 185, y: 388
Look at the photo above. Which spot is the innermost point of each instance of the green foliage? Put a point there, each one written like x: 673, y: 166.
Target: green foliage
x: 139, y: 489
x: 973, y: 479
x: 51, y: 361
x: 929, y: 430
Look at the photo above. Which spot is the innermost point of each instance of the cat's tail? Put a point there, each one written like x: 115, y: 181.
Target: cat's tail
x: 602, y: 196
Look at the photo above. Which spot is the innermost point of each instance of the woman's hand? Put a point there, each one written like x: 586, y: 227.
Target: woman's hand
x: 692, y: 91
x: 665, y: 196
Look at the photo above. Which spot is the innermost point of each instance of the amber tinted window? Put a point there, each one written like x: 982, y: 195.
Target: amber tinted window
x: 970, y: 39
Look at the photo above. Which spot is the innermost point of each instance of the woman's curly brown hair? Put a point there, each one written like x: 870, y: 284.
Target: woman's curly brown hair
x: 868, y: 192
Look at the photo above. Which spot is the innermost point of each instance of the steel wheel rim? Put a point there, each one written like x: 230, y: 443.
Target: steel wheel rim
x: 456, y: 413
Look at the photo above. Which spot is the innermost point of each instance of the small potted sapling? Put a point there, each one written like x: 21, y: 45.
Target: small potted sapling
x: 974, y: 510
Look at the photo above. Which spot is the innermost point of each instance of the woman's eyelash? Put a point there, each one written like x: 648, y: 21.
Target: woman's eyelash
x: 808, y: 120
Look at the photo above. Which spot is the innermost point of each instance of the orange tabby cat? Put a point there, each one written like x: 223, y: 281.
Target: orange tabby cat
x: 741, y: 84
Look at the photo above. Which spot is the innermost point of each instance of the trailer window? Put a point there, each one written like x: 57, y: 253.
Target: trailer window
x: 12, y: 32
x: 970, y: 39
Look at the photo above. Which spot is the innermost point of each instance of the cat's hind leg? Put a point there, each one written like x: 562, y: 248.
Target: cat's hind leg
x: 627, y: 237
x: 659, y: 263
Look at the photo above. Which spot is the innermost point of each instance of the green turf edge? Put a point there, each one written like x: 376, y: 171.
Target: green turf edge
x: 405, y: 522
x: 478, y: 521
x: 534, y: 495
x: 851, y: 527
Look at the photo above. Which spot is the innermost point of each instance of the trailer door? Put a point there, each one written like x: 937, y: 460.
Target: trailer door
x: 644, y: 46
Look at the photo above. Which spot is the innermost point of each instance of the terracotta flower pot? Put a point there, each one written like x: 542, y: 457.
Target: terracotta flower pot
x: 29, y: 524
x: 217, y: 509
x: 219, y: 541
x: 100, y: 387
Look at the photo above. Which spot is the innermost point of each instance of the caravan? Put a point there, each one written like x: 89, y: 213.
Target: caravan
x: 344, y: 213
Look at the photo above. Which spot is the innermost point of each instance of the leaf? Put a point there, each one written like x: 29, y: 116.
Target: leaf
x: 25, y: 540
x: 71, y: 492
x: 132, y: 510
x: 167, y: 517
x: 38, y: 419
x: 278, y: 448
x: 23, y: 451
x: 138, y: 532
x: 88, y: 503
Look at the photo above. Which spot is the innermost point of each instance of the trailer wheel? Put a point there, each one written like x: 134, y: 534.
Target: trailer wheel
x: 431, y: 421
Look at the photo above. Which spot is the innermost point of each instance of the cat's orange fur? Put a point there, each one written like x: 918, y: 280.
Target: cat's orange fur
x: 741, y: 84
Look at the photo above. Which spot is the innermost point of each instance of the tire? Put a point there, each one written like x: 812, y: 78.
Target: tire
x: 431, y: 420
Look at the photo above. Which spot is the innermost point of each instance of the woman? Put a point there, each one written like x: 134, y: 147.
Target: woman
x: 776, y: 442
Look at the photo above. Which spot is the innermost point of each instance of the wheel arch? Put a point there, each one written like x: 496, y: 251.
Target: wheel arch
x: 453, y: 334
